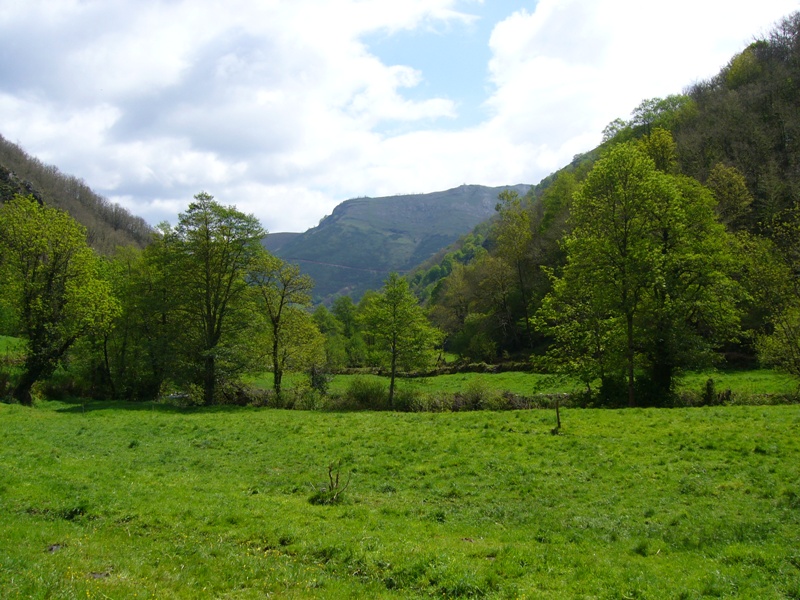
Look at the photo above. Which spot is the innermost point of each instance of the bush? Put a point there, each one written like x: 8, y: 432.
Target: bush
x: 303, y: 398
x: 242, y: 394
x: 405, y: 399
x: 439, y: 402
x: 479, y: 394
x: 320, y: 379
x: 366, y: 393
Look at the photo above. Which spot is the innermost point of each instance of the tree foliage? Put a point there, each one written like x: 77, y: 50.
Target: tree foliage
x: 402, y: 335
x: 646, y: 286
x: 50, y: 278
x: 283, y: 294
x: 208, y: 256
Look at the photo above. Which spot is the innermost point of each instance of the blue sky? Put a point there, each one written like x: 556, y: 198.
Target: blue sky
x: 453, y: 58
x: 286, y: 109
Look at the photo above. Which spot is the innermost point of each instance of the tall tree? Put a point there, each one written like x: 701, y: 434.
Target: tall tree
x: 50, y: 276
x: 400, y: 329
x: 143, y: 349
x: 210, y: 252
x: 648, y: 268
x: 513, y: 237
x: 281, y: 291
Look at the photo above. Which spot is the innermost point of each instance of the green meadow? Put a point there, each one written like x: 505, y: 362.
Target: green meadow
x: 118, y: 500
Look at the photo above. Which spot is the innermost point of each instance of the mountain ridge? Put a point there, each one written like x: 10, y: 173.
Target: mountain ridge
x: 364, y: 239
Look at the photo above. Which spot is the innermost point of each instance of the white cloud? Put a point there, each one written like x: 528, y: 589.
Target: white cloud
x: 567, y: 69
x: 281, y: 109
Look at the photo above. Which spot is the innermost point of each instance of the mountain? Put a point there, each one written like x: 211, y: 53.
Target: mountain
x: 275, y: 241
x: 364, y: 239
x: 108, y: 225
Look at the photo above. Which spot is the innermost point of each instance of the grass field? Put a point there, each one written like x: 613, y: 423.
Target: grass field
x: 114, y: 500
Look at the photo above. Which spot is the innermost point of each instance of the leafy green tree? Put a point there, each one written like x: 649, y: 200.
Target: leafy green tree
x: 303, y: 346
x: 281, y: 290
x: 729, y: 188
x: 50, y: 277
x: 646, y: 286
x: 662, y: 112
x: 346, y: 312
x: 771, y: 275
x: 693, y: 305
x: 208, y: 256
x: 662, y: 150
x: 556, y: 200
x: 400, y: 329
x: 513, y: 237
x: 335, y: 341
x: 144, y: 348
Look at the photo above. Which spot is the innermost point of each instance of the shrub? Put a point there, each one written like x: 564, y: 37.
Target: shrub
x: 320, y: 379
x: 366, y: 393
x: 331, y: 493
x: 479, y: 394
x: 242, y: 394
x: 304, y: 398
x: 406, y: 398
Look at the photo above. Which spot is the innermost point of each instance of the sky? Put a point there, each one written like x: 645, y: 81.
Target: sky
x: 287, y: 108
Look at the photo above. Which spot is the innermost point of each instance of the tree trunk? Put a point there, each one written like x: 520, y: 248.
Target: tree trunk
x: 277, y: 371
x: 22, y: 392
x: 209, y: 380
x: 391, y: 379
x: 107, y: 367
x: 630, y: 357
x: 528, y: 331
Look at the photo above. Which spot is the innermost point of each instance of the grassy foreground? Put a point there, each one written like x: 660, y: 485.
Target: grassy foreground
x: 131, y: 501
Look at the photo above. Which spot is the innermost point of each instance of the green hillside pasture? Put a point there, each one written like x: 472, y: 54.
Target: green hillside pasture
x: 125, y: 501
x: 743, y: 383
x: 515, y: 382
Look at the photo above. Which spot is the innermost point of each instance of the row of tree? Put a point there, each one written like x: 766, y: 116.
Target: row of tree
x: 192, y: 311
x: 624, y: 275
x: 678, y: 238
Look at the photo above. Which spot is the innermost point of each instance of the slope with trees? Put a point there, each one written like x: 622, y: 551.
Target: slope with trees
x: 107, y: 224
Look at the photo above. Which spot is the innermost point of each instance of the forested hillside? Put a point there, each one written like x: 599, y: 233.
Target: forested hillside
x: 108, y: 225
x: 731, y: 144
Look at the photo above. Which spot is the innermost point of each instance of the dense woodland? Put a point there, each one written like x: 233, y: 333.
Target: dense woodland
x: 726, y: 155
x: 673, y: 246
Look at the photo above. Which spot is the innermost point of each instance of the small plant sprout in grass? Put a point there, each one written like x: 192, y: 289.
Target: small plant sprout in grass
x: 557, y: 429
x: 332, y: 492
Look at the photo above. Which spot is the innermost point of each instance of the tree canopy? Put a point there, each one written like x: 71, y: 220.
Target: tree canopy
x: 646, y: 286
x: 49, y: 277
